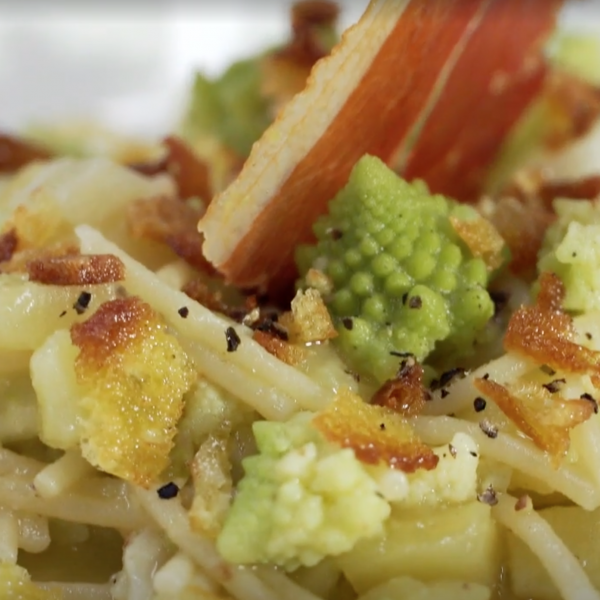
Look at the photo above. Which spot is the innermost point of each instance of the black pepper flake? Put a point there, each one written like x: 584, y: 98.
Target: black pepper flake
x: 486, y: 376
x: 382, y: 426
x: 168, y: 491
x: 488, y: 428
x: 444, y: 392
x: 473, y: 453
x: 184, y: 311
x: 447, y: 377
x: 348, y: 323
x: 404, y: 297
x: 335, y: 234
x: 548, y: 370
x: 63, y: 313
x: 488, y: 496
x: 588, y: 335
x: 415, y: 302
x: 453, y: 450
x: 479, y: 404
x: 82, y: 302
x: 590, y: 398
x: 233, y: 339
x: 554, y: 385
x: 271, y: 326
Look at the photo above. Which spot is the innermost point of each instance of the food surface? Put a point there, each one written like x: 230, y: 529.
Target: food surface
x: 335, y: 338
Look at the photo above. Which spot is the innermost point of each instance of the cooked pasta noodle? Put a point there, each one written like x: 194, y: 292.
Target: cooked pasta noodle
x: 564, y: 569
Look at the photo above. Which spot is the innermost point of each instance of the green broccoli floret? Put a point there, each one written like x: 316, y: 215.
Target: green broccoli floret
x: 571, y: 249
x: 301, y: 499
x: 403, y: 280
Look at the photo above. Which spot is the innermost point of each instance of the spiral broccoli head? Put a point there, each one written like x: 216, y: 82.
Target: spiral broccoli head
x: 403, y: 280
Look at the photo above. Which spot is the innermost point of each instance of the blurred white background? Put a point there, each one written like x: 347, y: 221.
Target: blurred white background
x: 129, y: 64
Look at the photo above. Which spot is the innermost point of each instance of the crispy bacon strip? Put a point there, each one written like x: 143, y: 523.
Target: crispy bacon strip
x: 522, y: 224
x: 395, y: 74
x: 191, y: 174
x: 288, y: 353
x: 375, y: 433
x: 546, y: 418
x: 16, y: 153
x: 309, y: 320
x: 8, y: 245
x: 169, y: 221
x: 544, y: 332
x: 575, y: 105
x: 482, y: 239
x: 405, y: 394
x: 20, y: 259
x: 81, y: 269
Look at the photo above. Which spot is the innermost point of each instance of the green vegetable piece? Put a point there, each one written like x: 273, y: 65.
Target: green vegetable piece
x: 571, y: 249
x: 400, y: 272
x: 230, y: 108
x: 301, y: 499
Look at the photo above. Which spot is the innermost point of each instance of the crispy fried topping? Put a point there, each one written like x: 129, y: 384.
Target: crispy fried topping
x: 545, y: 417
x: 284, y: 72
x: 20, y: 259
x: 533, y: 182
x: 133, y: 375
x: 190, y: 173
x: 482, y: 238
x: 405, y: 394
x: 575, y: 106
x: 309, y: 319
x: 352, y: 423
x: 111, y: 331
x: 79, y: 269
x: 172, y: 222
x: 199, y: 291
x: 522, y: 223
x: 544, y: 332
x: 8, y: 245
x: 16, y: 153
x: 283, y: 350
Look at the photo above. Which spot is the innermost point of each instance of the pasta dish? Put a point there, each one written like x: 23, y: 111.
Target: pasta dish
x: 337, y: 337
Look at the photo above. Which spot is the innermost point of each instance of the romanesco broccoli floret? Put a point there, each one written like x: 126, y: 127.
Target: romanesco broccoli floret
x: 301, y: 499
x: 402, y: 278
x: 571, y: 249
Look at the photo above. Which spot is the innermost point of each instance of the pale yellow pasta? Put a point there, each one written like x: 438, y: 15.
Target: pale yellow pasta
x: 30, y: 312
x: 61, y: 475
x: 563, y: 567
